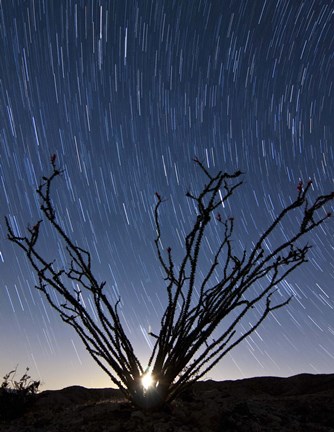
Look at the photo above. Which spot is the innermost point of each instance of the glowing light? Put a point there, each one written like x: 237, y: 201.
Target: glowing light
x: 147, y: 381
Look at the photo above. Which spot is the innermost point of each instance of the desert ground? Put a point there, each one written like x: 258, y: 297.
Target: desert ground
x: 303, y: 403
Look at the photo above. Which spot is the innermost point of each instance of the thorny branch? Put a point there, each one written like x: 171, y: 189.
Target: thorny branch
x: 105, y: 340
x: 191, y: 319
x: 184, y: 348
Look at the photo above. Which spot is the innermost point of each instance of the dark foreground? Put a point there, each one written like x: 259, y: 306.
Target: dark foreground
x: 303, y: 403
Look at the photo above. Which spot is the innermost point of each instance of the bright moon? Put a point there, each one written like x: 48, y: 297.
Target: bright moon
x: 147, y: 381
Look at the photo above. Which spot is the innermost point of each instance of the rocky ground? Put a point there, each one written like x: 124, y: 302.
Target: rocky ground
x: 303, y: 403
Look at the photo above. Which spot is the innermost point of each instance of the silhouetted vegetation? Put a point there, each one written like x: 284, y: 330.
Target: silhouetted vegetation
x: 201, y: 322
x: 16, y: 395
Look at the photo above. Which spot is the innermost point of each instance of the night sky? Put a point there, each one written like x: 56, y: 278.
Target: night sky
x: 126, y: 93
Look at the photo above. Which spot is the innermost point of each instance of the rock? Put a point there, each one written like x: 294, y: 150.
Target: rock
x: 138, y: 414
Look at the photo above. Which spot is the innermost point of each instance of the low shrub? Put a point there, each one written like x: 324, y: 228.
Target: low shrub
x: 16, y: 395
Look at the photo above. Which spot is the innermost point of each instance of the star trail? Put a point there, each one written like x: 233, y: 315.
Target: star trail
x: 126, y: 93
